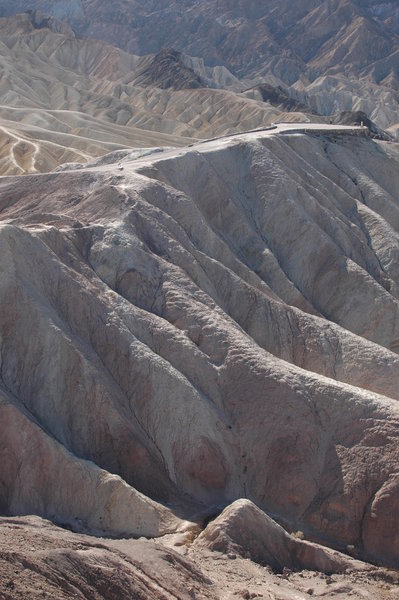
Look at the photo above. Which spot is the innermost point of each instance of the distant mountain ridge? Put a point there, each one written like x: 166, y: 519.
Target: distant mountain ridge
x: 330, y: 55
x: 280, y: 38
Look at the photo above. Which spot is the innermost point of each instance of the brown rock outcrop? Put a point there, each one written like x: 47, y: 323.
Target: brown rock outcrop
x: 39, y: 560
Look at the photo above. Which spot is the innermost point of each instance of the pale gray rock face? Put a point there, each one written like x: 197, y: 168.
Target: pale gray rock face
x: 204, y: 325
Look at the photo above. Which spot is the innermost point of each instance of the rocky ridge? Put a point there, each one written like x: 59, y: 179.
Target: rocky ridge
x: 89, y: 98
x: 249, y: 38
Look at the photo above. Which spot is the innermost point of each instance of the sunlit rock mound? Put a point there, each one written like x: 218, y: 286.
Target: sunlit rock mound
x: 40, y: 560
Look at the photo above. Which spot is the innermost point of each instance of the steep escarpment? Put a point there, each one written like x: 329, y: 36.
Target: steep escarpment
x: 184, y: 328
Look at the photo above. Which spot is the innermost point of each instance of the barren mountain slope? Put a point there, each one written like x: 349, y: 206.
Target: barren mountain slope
x: 199, y: 335
x: 206, y: 324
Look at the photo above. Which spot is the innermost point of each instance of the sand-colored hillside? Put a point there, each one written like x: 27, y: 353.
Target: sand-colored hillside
x: 64, y: 99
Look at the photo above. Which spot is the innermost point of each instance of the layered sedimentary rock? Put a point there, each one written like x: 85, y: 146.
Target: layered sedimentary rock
x: 39, y: 560
x: 202, y: 325
x: 335, y: 55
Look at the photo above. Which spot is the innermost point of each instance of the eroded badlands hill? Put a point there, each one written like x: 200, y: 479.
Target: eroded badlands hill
x: 66, y: 99
x: 184, y: 328
x: 335, y: 55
